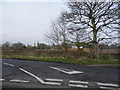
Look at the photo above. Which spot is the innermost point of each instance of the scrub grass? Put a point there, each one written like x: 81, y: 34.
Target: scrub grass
x: 61, y: 59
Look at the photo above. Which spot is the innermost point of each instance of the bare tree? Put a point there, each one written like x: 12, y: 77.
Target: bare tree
x: 100, y: 18
x: 63, y: 32
x: 58, y: 34
x: 53, y: 36
x: 78, y: 35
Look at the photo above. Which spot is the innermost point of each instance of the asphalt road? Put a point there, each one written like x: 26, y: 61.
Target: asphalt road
x: 36, y: 74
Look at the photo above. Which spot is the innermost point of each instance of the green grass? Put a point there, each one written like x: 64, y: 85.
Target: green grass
x: 62, y: 59
x: 114, y: 66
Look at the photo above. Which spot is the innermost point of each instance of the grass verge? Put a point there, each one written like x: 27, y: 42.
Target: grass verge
x: 61, y: 59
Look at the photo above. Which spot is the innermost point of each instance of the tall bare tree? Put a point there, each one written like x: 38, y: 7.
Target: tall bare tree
x: 99, y: 17
x: 78, y: 35
x: 53, y: 36
x: 58, y: 34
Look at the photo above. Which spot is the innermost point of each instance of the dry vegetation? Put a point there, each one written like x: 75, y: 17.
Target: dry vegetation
x: 72, y: 53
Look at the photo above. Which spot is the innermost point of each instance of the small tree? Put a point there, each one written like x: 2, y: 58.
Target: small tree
x: 53, y: 37
x: 18, y: 46
x: 58, y: 35
x: 6, y: 46
x: 42, y: 46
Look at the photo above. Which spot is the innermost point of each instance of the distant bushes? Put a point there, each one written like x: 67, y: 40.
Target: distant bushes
x: 47, y: 51
x: 72, y: 53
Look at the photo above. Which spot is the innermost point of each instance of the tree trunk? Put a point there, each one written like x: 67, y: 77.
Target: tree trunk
x: 78, y: 46
x: 66, y: 47
x: 96, y: 48
x: 95, y: 42
x: 66, y: 51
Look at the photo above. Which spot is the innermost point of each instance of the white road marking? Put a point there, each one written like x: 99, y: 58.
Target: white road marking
x: 67, y: 72
x: 51, y: 83
x: 2, y: 79
x: 74, y: 85
x: 107, y: 84
x: 15, y: 80
x: 8, y: 64
x: 59, y: 80
x: 107, y: 88
x: 39, y: 79
x: 83, y: 82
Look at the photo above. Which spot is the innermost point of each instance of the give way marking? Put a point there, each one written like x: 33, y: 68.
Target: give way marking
x: 67, y: 71
x: 15, y: 80
x: 2, y: 79
x: 39, y: 79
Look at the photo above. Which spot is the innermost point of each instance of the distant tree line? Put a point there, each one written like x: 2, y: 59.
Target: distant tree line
x: 21, y: 46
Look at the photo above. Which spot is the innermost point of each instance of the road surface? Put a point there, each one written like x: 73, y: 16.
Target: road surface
x: 37, y: 74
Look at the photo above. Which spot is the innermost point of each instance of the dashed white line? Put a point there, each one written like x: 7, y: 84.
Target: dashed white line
x: 58, y: 80
x: 2, y: 79
x: 39, y: 79
x: 107, y: 88
x: 15, y: 80
x: 74, y: 85
x: 51, y: 83
x: 107, y: 84
x: 83, y: 82
x: 8, y: 64
x: 67, y: 72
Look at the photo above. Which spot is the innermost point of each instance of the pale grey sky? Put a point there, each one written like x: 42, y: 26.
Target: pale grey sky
x: 27, y: 22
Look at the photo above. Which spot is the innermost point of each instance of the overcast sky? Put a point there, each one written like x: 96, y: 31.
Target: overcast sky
x: 27, y: 22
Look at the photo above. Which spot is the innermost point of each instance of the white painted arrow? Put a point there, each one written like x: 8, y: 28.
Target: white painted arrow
x: 67, y: 71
